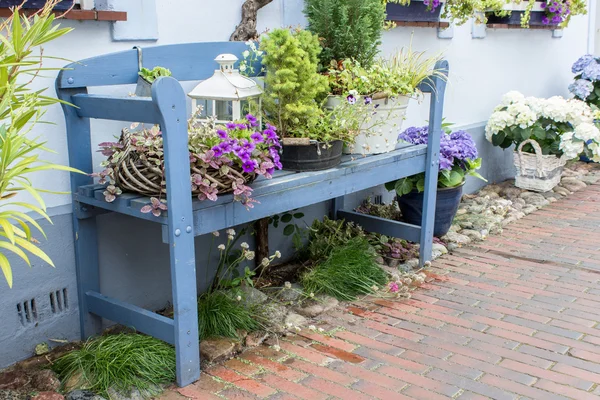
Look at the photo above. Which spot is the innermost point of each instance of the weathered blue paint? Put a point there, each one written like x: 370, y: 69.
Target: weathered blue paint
x: 384, y: 226
x: 142, y: 320
x: 436, y: 110
x: 186, y: 218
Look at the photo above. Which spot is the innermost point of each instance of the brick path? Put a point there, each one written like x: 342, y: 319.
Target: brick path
x: 516, y: 317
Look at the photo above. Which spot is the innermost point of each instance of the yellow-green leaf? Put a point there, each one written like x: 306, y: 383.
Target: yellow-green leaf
x: 16, y: 250
x: 5, y: 266
x: 33, y: 249
x: 8, y: 229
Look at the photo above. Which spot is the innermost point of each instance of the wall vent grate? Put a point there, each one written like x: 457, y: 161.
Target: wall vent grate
x: 59, y: 301
x: 378, y: 199
x: 27, y: 312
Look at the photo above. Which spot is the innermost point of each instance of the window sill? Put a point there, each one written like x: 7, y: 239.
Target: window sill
x: 81, y: 15
x: 418, y: 24
x: 533, y: 27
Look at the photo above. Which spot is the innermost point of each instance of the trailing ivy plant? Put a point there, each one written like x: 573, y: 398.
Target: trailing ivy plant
x: 348, y: 29
x: 21, y: 108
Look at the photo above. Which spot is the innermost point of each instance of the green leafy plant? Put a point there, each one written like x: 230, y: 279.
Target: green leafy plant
x: 150, y: 75
x: 327, y: 235
x: 400, y: 75
x: 293, y: 87
x: 348, y: 29
x: 220, y: 314
x: 290, y: 228
x: 119, y: 362
x: 350, y: 270
x: 21, y: 108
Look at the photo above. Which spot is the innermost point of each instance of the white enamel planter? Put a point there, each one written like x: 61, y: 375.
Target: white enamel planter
x: 388, y: 117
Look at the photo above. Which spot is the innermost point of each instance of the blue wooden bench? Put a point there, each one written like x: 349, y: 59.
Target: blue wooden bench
x: 187, y: 218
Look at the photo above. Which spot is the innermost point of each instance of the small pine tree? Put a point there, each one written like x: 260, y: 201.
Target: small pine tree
x: 348, y: 29
x: 293, y: 87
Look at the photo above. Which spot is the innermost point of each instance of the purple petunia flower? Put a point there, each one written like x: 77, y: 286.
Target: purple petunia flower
x: 222, y: 134
x: 552, y: 9
x: 545, y: 20
x: 543, y: 5
x: 252, y: 120
x: 270, y: 133
x: 257, y: 137
x: 231, y: 126
x: 249, y: 166
x: 218, y: 151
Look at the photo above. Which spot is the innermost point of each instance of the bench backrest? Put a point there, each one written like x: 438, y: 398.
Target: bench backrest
x: 187, y: 62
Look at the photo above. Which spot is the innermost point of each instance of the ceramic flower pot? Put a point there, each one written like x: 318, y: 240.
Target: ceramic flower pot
x: 315, y: 156
x: 416, y: 11
x: 388, y: 115
x: 448, y: 200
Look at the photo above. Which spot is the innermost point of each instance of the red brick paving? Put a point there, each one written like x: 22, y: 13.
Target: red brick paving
x: 515, y: 317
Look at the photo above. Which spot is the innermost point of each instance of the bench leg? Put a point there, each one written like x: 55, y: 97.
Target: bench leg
x: 87, y: 269
x: 185, y: 309
x: 337, y: 204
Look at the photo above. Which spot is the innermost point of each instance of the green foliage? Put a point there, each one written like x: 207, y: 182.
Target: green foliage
x: 293, y: 87
x: 327, y: 235
x: 121, y: 362
x: 150, y: 75
x: 20, y: 109
x: 219, y: 314
x: 290, y: 228
x: 348, y: 29
x: 400, y: 75
x: 350, y: 270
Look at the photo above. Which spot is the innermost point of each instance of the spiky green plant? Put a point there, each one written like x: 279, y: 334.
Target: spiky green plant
x: 219, y: 314
x: 20, y: 109
x: 121, y: 362
x: 350, y: 270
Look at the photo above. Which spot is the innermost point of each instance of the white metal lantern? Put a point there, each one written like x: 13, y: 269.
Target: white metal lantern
x: 226, y: 93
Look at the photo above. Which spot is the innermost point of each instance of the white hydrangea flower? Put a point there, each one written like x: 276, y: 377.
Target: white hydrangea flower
x: 511, y: 97
x: 570, y: 148
x: 587, y: 131
x: 555, y: 108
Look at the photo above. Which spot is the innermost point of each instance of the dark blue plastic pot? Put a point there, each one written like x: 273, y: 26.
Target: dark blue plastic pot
x: 535, y: 19
x: 447, y: 203
x: 416, y: 11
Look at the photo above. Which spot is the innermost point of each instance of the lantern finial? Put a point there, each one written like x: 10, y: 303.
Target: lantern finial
x: 226, y: 62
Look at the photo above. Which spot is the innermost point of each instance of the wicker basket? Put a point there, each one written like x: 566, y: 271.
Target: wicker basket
x: 139, y: 175
x: 537, y: 172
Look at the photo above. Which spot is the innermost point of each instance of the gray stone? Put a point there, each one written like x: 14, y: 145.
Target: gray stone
x: 13, y: 380
x: 590, y: 179
x: 412, y: 263
x: 83, y: 395
x: 561, y: 191
x: 294, y: 320
x: 274, y: 314
x: 12, y: 395
x: 572, y: 184
x: 534, y: 199
x: 311, y: 310
x: 457, y: 238
x: 529, y: 209
x: 49, y: 396
x: 254, y: 339
x: 320, y: 304
x: 45, y: 380
x: 216, y: 349
x: 435, y: 254
x: 472, y: 234
x: 452, y: 246
x: 292, y: 294
x: 252, y: 297
x: 476, y: 209
x: 439, y: 247
x: 327, y: 302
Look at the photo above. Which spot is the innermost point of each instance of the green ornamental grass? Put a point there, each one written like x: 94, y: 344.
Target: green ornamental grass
x: 350, y: 270
x: 121, y: 362
x: 221, y: 315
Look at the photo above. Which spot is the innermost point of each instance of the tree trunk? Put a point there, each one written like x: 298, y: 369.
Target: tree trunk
x: 246, y: 30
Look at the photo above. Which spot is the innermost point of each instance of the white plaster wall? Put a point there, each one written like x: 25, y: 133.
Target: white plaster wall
x: 481, y: 69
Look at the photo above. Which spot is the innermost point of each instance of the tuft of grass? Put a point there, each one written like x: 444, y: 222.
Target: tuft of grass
x: 121, y: 362
x: 350, y: 270
x: 221, y: 315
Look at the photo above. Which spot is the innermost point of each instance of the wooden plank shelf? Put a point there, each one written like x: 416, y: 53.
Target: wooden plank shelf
x: 187, y: 218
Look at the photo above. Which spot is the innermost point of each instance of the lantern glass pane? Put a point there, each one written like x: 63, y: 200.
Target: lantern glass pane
x: 206, y: 107
x: 224, y: 110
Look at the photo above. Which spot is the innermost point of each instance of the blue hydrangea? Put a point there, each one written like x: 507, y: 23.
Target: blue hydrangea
x: 591, y: 72
x: 581, y: 88
x: 455, y: 147
x: 583, y: 62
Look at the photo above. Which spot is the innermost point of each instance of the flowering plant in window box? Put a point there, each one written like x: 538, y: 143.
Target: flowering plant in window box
x: 458, y: 159
x: 547, y: 132
x: 223, y: 159
x: 532, y: 12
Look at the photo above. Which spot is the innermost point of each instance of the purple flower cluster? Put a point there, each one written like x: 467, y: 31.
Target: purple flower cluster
x: 244, y: 149
x: 556, y: 11
x: 455, y: 147
x: 581, y: 88
x: 432, y: 4
x: 584, y: 61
